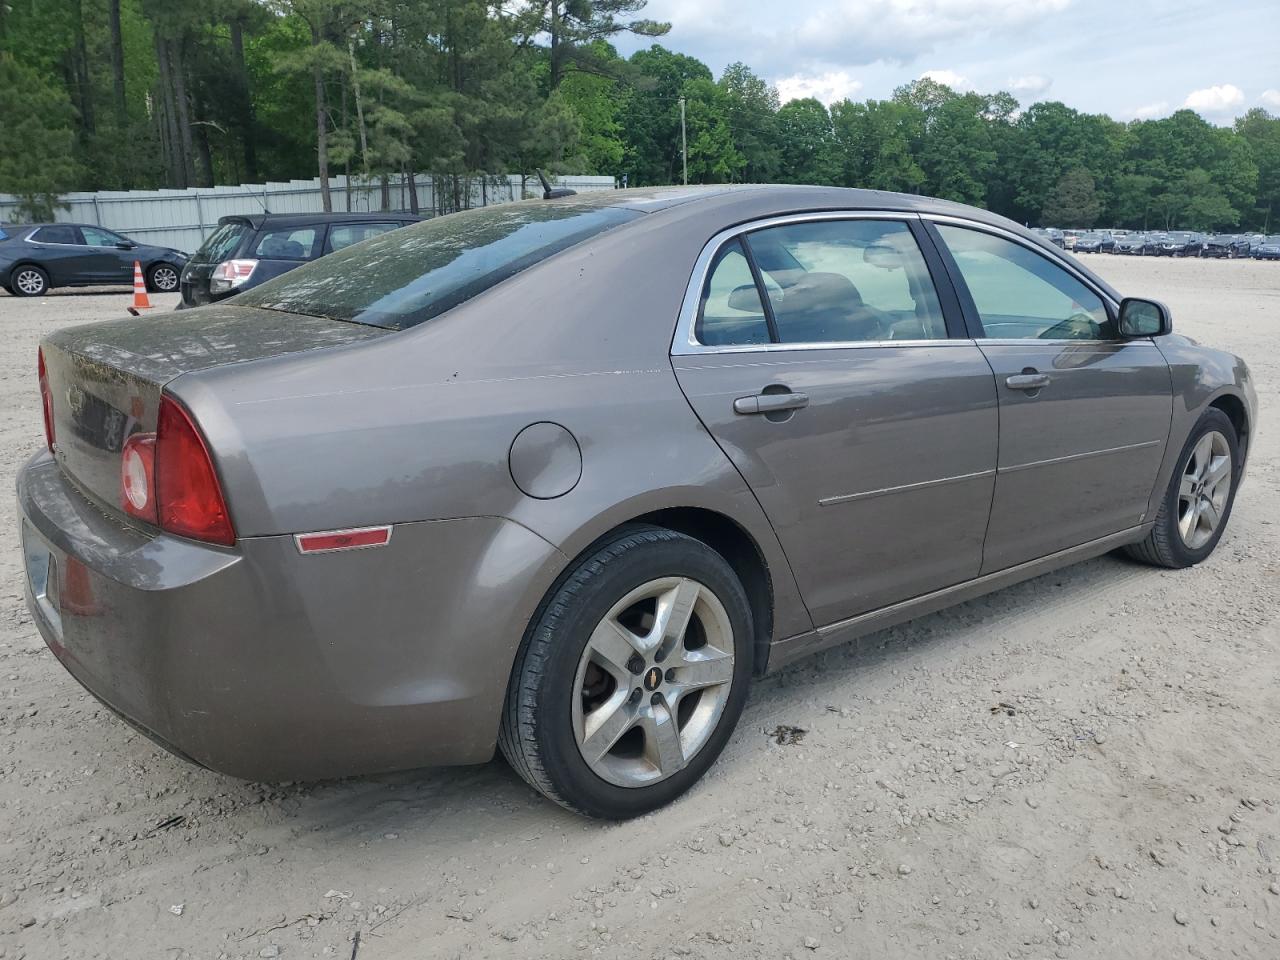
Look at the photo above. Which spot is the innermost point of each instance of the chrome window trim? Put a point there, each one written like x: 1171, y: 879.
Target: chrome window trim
x: 52, y: 243
x: 1004, y: 234
x: 685, y: 342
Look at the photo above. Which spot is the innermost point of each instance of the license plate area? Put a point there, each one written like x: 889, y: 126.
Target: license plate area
x: 42, y: 577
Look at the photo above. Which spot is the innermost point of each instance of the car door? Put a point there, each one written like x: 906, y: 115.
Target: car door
x: 817, y: 351
x: 60, y: 250
x: 105, y: 257
x: 1084, y: 415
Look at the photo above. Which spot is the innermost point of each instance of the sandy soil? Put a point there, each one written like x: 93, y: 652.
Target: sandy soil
x: 1082, y: 766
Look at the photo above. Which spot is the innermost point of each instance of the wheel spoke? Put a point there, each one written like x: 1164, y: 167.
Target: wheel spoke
x: 671, y: 619
x: 662, y: 740
x: 705, y: 667
x: 1219, y: 470
x: 604, y: 726
x: 613, y: 646
x: 1187, y: 488
x: 1209, y: 514
x: 1190, y: 520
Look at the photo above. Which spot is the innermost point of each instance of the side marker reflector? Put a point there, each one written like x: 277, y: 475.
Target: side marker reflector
x: 330, y: 541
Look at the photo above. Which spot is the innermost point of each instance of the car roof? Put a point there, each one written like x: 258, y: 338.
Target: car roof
x: 281, y: 220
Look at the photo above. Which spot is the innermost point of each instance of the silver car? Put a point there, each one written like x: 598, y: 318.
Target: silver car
x: 563, y: 477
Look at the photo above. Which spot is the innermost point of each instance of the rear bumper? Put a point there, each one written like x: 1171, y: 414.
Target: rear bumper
x: 267, y: 665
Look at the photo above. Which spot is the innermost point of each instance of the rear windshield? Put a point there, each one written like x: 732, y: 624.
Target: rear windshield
x: 408, y: 276
x: 222, y: 242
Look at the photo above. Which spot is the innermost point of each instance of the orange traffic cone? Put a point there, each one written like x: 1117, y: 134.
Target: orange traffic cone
x: 140, y: 300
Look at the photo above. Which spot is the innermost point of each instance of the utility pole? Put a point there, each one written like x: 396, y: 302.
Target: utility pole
x: 684, y: 149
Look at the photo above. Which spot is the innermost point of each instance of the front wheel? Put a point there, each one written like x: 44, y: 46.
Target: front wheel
x: 1197, y: 504
x: 632, y: 677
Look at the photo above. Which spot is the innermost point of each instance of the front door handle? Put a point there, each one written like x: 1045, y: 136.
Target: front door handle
x: 770, y: 403
x: 1027, y: 381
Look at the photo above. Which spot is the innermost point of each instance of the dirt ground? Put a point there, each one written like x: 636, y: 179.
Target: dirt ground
x: 1086, y: 765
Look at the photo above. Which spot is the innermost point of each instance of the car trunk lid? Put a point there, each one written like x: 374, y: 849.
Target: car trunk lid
x: 105, y: 380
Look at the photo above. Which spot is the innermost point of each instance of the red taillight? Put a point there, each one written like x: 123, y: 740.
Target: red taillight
x: 231, y: 274
x: 167, y: 477
x: 189, y: 500
x: 46, y: 399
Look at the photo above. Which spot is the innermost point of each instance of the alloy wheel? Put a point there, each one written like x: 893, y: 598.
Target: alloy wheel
x: 30, y: 282
x: 653, y: 681
x: 164, y: 279
x: 1204, y: 490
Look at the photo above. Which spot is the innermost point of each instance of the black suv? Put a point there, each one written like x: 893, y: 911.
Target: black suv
x: 1225, y: 246
x: 36, y: 257
x: 248, y: 250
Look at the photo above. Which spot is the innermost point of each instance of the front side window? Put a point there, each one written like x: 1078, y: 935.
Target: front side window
x: 1021, y: 295
x: 100, y: 238
x: 824, y: 281
x: 286, y: 244
x: 57, y: 234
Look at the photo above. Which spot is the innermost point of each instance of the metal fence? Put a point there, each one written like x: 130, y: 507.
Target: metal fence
x: 184, y: 218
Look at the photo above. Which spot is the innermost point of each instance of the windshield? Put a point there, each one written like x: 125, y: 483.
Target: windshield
x: 222, y: 242
x: 408, y: 276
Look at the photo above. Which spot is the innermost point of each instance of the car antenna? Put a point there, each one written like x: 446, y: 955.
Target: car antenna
x: 550, y: 194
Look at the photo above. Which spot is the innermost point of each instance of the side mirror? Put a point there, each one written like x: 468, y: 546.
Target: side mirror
x: 1143, y: 318
x: 126, y: 245
x: 745, y: 298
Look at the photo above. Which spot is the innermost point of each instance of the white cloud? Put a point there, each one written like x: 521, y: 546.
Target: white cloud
x: 831, y: 35
x: 1270, y: 98
x: 947, y: 78
x: 1152, y: 110
x: 1223, y: 98
x: 827, y: 87
x: 1029, y: 85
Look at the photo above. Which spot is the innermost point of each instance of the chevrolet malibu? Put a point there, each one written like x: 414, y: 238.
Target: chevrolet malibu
x: 563, y: 477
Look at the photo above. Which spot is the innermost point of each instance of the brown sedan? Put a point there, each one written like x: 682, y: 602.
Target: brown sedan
x: 562, y: 477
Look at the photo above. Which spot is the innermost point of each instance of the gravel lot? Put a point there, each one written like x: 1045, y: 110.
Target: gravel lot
x: 1085, y: 765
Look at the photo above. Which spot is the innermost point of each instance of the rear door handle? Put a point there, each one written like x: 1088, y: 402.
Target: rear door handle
x: 770, y: 402
x: 1027, y: 381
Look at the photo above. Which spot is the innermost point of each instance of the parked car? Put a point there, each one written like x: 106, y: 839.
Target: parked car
x: 245, y: 251
x: 1180, y: 244
x: 1134, y: 244
x: 38, y: 257
x: 1053, y: 235
x: 1268, y: 249
x: 1069, y: 238
x: 1094, y: 243
x: 1225, y: 246
x: 563, y: 477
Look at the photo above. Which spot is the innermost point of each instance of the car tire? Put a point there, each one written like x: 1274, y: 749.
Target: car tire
x: 162, y: 278
x: 29, y: 280
x: 1168, y: 544
x: 561, y: 680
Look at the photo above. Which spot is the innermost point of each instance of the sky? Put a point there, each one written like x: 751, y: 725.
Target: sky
x: 1131, y: 59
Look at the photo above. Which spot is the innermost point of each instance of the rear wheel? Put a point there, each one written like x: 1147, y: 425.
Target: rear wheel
x: 1197, y: 504
x: 29, y: 281
x: 632, y: 677
x: 162, y: 278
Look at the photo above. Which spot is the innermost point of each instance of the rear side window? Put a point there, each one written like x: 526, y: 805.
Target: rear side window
x: 288, y: 244
x: 825, y: 281
x: 343, y: 235
x: 401, y: 279
x: 222, y: 243
x: 57, y: 235
x: 3, y: 235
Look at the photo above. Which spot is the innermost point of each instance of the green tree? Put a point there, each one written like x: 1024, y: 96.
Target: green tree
x: 1261, y: 131
x: 575, y: 27
x: 1074, y: 201
x: 38, y: 123
x: 808, y: 142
